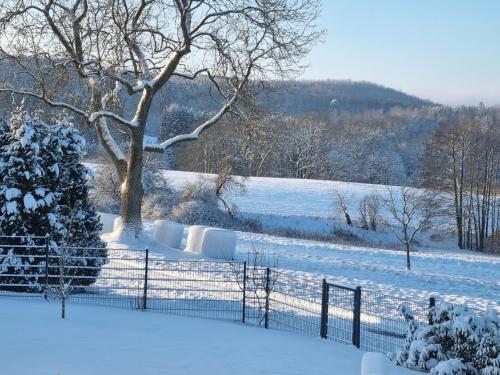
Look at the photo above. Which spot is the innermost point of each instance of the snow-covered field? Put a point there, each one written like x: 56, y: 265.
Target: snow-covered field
x: 462, y: 277
x: 100, y: 340
x: 450, y: 274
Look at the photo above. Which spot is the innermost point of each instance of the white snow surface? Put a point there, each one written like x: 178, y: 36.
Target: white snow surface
x: 463, y: 277
x: 457, y: 276
x: 100, y: 340
x: 375, y: 364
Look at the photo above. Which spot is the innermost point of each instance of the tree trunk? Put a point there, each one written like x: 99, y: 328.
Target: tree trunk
x: 408, y: 265
x: 132, y: 190
x: 407, y: 245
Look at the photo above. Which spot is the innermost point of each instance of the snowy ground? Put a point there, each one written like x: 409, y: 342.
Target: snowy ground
x: 462, y: 277
x: 450, y: 274
x: 307, y: 206
x: 99, y: 340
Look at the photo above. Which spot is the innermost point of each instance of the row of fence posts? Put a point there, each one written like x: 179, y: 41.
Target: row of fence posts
x: 325, y: 295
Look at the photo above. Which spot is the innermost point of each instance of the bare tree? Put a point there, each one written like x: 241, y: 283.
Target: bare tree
x: 413, y: 212
x: 262, y: 274
x: 343, y: 206
x: 63, y: 288
x: 120, y: 48
x: 369, y: 211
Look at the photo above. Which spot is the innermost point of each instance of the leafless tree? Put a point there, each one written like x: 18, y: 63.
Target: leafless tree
x: 412, y: 211
x: 259, y: 283
x: 134, y: 48
x: 369, y: 211
x: 63, y: 289
x: 343, y: 206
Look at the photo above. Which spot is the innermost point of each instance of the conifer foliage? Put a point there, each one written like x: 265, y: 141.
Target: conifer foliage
x: 457, y: 342
x: 43, y: 186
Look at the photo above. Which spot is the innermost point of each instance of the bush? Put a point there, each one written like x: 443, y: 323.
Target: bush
x: 106, y: 189
x: 457, y: 342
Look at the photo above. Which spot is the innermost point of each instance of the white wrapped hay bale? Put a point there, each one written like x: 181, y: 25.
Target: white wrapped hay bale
x: 218, y: 243
x: 168, y: 233
x: 375, y: 364
x: 195, y: 238
x: 108, y: 222
x: 116, y: 223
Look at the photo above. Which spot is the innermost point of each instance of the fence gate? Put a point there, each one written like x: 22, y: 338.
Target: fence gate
x: 341, y: 314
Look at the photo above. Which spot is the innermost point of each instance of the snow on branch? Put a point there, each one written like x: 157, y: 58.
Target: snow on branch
x: 195, y: 133
x: 49, y: 102
x: 96, y: 115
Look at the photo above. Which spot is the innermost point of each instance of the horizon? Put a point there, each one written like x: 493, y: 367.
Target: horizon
x: 444, y: 50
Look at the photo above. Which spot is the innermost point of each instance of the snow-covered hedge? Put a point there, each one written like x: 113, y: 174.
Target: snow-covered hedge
x: 458, y: 342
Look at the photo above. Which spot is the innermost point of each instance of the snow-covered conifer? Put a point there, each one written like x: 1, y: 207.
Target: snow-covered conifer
x: 458, y: 342
x: 42, y: 182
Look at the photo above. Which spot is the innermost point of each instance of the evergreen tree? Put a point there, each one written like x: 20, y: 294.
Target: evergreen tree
x: 28, y: 205
x: 75, y: 206
x: 458, y: 342
x: 43, y: 187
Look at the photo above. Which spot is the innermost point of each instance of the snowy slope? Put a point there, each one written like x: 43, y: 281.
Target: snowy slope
x: 99, y: 340
x: 290, y: 197
x: 455, y: 276
x: 309, y: 207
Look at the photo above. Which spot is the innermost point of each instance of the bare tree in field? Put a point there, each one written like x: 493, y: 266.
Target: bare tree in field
x: 412, y: 211
x: 118, y: 48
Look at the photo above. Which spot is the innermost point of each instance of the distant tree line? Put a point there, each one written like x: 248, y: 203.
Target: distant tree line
x: 462, y: 160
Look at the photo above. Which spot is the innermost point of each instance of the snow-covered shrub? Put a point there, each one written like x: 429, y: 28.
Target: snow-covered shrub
x: 369, y: 208
x: 108, y: 222
x: 457, y: 342
x: 199, y: 206
x: 374, y: 364
x: 159, y: 204
x: 106, y: 189
x: 42, y: 186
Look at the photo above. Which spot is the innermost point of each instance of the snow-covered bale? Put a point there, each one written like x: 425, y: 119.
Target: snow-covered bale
x: 218, y: 243
x: 116, y: 223
x: 374, y: 364
x: 195, y: 238
x: 168, y: 232
x: 108, y: 222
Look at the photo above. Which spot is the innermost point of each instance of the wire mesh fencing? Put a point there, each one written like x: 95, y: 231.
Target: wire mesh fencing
x: 240, y: 291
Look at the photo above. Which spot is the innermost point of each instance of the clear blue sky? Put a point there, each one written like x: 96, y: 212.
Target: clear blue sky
x: 444, y: 50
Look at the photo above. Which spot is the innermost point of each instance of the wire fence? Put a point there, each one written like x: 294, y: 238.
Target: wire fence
x: 271, y: 298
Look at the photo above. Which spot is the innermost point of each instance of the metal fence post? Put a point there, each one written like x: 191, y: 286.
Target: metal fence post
x: 432, y: 303
x: 244, y: 290
x: 145, y: 294
x: 47, y: 244
x: 356, y: 322
x: 266, y: 313
x: 324, y: 310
